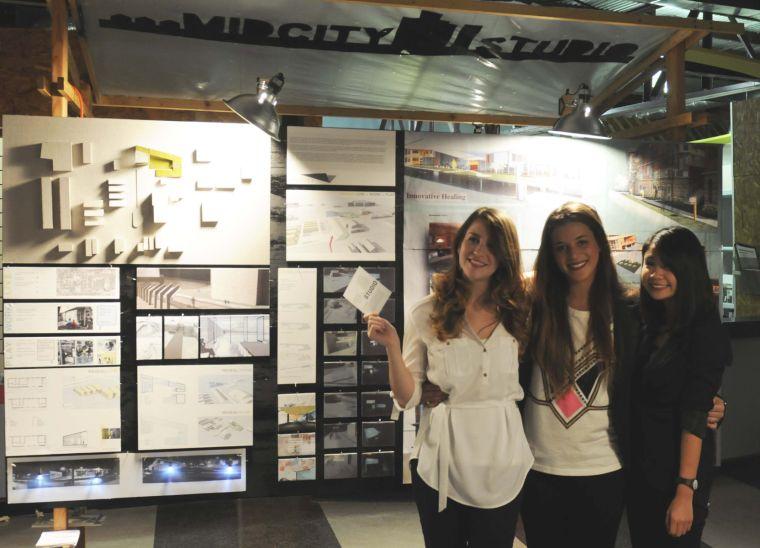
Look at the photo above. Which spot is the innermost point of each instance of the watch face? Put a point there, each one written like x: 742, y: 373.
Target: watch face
x: 695, y: 484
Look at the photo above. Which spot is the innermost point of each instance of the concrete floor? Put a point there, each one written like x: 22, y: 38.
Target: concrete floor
x: 364, y: 523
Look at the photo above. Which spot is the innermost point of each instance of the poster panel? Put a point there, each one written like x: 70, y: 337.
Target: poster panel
x: 338, y: 157
x: 72, y: 318
x: 51, y: 282
x: 192, y: 406
x: 333, y: 225
x: 297, y: 325
x: 62, y: 411
x: 61, y: 351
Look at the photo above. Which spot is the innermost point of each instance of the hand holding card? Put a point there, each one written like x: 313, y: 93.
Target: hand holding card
x: 366, y: 293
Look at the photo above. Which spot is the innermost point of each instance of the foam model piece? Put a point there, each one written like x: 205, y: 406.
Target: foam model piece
x: 118, y: 246
x: 64, y: 202
x: 87, y: 153
x: 59, y: 153
x: 202, y: 156
x: 46, y: 193
x: 91, y: 247
x: 66, y: 247
x: 187, y: 235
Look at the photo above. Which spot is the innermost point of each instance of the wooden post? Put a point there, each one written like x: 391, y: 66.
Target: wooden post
x: 60, y: 519
x: 676, y: 103
x: 59, y: 37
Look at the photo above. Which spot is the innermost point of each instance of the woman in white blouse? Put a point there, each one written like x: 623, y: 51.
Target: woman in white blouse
x: 471, y: 456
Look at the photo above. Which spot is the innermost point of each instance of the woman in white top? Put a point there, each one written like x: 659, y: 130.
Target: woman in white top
x: 470, y: 457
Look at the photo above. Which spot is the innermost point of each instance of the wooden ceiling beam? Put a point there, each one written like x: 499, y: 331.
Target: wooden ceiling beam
x: 121, y: 101
x: 683, y: 120
x: 83, y: 48
x: 577, y: 15
x: 59, y: 59
x: 633, y: 70
x: 629, y: 88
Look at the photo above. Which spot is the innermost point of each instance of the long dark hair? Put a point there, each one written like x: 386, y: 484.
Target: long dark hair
x: 681, y: 252
x: 506, y: 286
x: 551, y: 341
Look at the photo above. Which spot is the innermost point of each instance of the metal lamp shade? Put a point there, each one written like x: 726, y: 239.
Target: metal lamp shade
x: 580, y: 123
x: 262, y: 115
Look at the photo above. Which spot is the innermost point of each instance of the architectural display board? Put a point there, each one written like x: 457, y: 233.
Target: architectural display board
x: 182, y: 407
x: 30, y: 282
x: 80, y: 350
x: 62, y: 411
x: 133, y: 191
x: 340, y: 157
x: 297, y: 317
x: 61, y: 317
x: 334, y: 225
x: 123, y: 475
x: 636, y: 187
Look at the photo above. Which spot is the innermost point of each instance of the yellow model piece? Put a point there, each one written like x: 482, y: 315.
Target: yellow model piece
x: 165, y: 164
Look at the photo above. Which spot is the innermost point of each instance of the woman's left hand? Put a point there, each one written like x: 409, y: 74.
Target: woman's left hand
x: 716, y: 415
x: 680, y: 514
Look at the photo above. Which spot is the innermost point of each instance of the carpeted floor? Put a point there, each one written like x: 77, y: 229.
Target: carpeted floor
x: 746, y: 470
x: 244, y: 523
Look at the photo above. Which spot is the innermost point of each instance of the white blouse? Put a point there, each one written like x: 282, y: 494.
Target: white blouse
x: 472, y: 447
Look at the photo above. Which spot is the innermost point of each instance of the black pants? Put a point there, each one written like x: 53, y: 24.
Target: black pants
x: 459, y: 525
x: 573, y: 510
x: 647, y: 509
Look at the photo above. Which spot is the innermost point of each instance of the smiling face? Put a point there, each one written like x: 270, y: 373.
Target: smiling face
x: 576, y: 252
x: 658, y: 281
x: 475, y: 259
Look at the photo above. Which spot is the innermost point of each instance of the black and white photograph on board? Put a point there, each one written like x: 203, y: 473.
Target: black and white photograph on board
x: 44, y: 474
x: 389, y: 310
x: 340, y: 343
x: 379, y: 434
x: 378, y: 464
x: 371, y: 348
x: 339, y: 310
x: 340, y: 435
x: 234, y: 336
x: 338, y: 405
x: 386, y: 275
x: 342, y: 373
x: 335, y: 279
x: 341, y: 466
x: 187, y: 468
x: 374, y: 372
x: 376, y: 404
x: 180, y: 337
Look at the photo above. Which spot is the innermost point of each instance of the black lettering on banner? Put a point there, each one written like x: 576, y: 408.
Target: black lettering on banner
x: 427, y: 35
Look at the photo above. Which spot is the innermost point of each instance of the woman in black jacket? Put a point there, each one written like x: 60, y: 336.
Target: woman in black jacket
x: 682, y: 354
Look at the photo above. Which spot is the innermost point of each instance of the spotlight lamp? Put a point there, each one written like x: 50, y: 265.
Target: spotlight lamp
x: 577, y: 118
x: 259, y: 109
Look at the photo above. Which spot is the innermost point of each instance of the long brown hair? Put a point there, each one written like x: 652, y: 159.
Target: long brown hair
x: 551, y: 342
x: 506, y: 287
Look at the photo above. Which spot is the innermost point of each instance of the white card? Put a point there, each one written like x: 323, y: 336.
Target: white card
x: 69, y: 537
x: 366, y: 293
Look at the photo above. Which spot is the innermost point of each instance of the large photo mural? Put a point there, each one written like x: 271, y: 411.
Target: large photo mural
x: 636, y: 187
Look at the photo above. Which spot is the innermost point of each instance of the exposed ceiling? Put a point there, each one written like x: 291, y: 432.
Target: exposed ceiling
x: 142, y: 48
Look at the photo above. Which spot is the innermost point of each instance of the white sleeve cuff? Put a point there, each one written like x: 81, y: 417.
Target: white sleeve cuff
x: 413, y: 402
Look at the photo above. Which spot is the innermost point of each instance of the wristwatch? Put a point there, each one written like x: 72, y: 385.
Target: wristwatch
x: 692, y: 483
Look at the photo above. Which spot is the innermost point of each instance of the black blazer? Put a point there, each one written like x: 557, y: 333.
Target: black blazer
x: 625, y: 317
x: 673, y: 389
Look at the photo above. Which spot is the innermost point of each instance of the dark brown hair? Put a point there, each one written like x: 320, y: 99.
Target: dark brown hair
x: 551, y: 342
x: 681, y: 252
x: 506, y: 286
